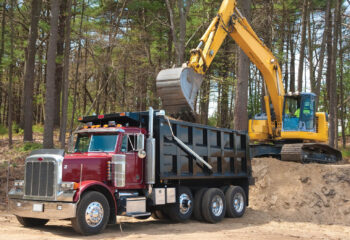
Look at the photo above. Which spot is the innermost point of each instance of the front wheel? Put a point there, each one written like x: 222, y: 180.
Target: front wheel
x: 31, y: 222
x: 183, y: 208
x: 92, y: 214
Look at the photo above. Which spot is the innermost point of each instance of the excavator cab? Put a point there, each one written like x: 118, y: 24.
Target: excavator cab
x: 299, y: 112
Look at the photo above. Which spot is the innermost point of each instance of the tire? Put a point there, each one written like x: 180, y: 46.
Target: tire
x: 31, y: 222
x: 183, y: 208
x: 235, y: 202
x: 213, y: 205
x: 197, y: 207
x: 86, y: 224
x: 160, y: 214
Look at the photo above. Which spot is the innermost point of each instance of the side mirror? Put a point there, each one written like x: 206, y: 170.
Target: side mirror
x: 140, y: 144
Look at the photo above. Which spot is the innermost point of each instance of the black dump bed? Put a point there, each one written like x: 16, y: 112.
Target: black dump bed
x: 225, y: 150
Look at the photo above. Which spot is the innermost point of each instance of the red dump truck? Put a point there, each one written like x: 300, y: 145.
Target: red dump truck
x: 136, y: 164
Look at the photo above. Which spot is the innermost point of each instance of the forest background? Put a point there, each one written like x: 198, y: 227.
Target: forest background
x: 61, y: 59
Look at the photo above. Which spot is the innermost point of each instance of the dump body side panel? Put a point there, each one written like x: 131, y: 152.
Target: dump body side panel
x: 227, y: 151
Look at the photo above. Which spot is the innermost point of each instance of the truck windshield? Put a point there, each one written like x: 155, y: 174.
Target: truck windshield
x: 96, y: 143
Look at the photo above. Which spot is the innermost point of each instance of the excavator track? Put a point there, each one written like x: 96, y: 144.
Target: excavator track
x: 178, y: 88
x: 310, y: 152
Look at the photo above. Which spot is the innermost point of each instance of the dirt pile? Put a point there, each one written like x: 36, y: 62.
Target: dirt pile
x: 302, y: 192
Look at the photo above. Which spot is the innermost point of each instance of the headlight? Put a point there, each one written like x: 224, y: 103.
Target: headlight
x: 66, y: 186
x: 19, y: 183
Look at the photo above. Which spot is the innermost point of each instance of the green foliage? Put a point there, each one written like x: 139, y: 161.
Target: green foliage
x: 213, y: 121
x: 16, y: 129
x: 38, y: 128
x: 30, y: 146
x: 346, y: 152
x: 3, y: 130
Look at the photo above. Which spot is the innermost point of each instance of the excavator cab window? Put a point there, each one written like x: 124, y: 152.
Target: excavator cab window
x: 307, y: 113
x: 299, y: 113
x: 291, y: 113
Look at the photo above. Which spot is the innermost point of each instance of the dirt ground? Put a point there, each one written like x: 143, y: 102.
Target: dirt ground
x: 288, y: 201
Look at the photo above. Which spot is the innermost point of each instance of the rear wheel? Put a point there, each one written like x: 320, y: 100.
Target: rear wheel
x: 31, y: 222
x: 213, y: 205
x: 197, y: 207
x: 92, y: 214
x: 183, y: 208
x: 235, y: 201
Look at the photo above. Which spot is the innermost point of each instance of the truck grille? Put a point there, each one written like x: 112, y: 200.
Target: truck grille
x: 39, y: 178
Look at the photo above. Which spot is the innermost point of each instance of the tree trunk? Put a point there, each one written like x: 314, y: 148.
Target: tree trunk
x: 66, y: 76
x: 241, y: 101
x: 341, y: 64
x: 59, y: 61
x: 333, y: 125
x: 50, y: 77
x: 302, y: 46
x: 76, y: 79
x: 310, y: 50
x: 179, y: 42
x: 2, y: 49
x: 29, y: 72
x: 292, y: 60
x: 322, y: 52
x: 12, y: 65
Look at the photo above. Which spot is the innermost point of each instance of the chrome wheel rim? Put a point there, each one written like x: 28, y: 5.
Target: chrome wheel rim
x: 94, y: 214
x: 217, y: 205
x: 185, y: 203
x: 238, y: 202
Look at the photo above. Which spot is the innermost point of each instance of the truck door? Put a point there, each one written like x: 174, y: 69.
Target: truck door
x: 134, y: 165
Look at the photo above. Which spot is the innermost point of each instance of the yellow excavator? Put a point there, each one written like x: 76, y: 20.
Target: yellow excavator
x: 291, y: 129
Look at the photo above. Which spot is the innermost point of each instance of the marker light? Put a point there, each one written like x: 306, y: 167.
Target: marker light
x: 106, y: 125
x: 119, y: 125
x: 80, y: 118
x: 122, y: 114
x: 100, y: 116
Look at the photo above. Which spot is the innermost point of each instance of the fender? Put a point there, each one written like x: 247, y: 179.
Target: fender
x: 98, y: 186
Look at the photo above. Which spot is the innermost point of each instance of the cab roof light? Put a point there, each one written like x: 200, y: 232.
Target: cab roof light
x: 105, y: 126
x: 80, y: 119
x: 122, y: 114
x: 100, y: 116
x: 119, y: 125
x: 86, y: 127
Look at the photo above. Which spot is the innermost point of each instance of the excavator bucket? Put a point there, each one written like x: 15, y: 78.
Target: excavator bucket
x: 178, y: 88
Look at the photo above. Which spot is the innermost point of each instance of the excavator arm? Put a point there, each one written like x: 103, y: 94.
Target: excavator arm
x: 229, y: 21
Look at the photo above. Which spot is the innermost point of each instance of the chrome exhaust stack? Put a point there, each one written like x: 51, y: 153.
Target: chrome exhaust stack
x: 178, y: 88
x: 151, y: 153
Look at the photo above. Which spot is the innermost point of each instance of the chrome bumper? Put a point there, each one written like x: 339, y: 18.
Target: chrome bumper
x: 49, y: 210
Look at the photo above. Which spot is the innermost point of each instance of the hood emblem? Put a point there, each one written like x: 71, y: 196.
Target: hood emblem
x: 65, y: 166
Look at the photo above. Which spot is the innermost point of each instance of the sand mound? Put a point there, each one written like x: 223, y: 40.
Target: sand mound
x: 302, y: 192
